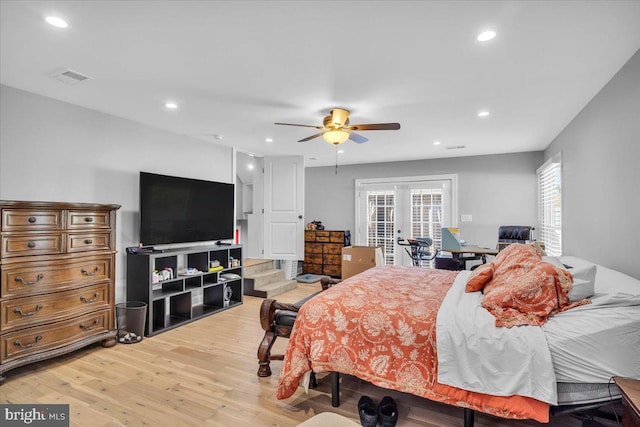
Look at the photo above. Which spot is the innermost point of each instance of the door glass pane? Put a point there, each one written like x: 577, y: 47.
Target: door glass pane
x: 380, y: 222
x: 426, y: 216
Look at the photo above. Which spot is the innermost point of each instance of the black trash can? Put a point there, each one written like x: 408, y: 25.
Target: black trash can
x: 131, y: 318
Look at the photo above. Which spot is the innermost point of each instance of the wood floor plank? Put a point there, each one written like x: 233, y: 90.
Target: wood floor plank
x: 204, y: 374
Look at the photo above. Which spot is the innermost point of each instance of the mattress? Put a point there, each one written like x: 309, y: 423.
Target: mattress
x: 582, y: 394
x: 587, y: 355
x: 592, y: 343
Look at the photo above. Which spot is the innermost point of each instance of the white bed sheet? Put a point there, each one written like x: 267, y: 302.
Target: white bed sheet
x: 592, y: 343
x: 475, y: 355
x: 587, y: 344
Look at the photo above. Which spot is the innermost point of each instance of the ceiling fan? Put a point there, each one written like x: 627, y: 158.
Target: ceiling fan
x: 336, y: 129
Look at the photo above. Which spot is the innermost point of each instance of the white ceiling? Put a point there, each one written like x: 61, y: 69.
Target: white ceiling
x: 236, y: 67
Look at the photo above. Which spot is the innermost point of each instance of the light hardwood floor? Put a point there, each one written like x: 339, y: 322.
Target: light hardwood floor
x: 204, y: 373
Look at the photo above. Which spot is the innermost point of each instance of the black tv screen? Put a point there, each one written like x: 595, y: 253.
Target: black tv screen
x: 181, y: 210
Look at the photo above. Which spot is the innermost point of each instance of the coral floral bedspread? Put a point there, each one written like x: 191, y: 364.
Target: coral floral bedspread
x: 380, y: 326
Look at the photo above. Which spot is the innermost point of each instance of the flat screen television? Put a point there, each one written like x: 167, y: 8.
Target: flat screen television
x: 182, y: 210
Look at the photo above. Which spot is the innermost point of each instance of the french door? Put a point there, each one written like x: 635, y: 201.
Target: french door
x: 388, y: 209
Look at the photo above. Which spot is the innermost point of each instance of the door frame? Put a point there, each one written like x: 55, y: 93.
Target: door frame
x: 360, y: 231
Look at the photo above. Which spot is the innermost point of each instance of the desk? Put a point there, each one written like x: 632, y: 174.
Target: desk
x: 630, y: 389
x: 470, y: 253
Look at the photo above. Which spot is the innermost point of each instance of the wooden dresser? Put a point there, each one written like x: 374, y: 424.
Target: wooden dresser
x: 323, y: 251
x: 57, y: 268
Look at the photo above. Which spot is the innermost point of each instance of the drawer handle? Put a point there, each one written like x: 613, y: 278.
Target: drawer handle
x: 18, y: 343
x: 88, y: 241
x: 90, y: 327
x: 32, y: 219
x: 31, y: 244
x: 88, y: 219
x: 94, y: 299
x: 93, y: 273
x: 31, y: 313
x: 21, y: 280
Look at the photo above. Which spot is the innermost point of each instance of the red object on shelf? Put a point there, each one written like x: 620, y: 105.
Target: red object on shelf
x: 237, y: 236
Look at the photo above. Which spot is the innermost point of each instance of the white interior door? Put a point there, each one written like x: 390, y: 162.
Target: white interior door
x: 284, y: 207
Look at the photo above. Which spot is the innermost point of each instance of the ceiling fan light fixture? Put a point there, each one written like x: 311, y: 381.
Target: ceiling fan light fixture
x: 339, y: 117
x: 335, y: 137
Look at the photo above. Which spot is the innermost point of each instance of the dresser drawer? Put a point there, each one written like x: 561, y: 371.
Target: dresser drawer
x: 313, y: 248
x: 31, y: 220
x: 313, y: 258
x: 332, y: 259
x: 93, y: 241
x: 29, y: 245
x: 87, y: 220
x: 38, y: 339
x: 322, y: 236
x: 37, y: 278
x: 31, y: 311
x: 312, y: 268
x: 332, y: 270
x: 333, y: 249
x: 336, y: 237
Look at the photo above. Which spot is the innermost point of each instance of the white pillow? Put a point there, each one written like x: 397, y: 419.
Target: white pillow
x: 584, y: 278
x: 584, y: 283
x: 555, y: 261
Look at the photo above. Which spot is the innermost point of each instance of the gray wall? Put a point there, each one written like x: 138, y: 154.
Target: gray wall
x: 496, y: 190
x: 601, y: 175
x: 54, y: 151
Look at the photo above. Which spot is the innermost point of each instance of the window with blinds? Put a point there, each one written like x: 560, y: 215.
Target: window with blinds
x: 380, y: 223
x: 550, y: 205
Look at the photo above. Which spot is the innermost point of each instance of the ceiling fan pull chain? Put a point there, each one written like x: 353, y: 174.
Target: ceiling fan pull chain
x: 336, y: 160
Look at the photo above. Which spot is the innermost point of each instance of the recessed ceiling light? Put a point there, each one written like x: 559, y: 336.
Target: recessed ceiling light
x: 56, y: 22
x: 437, y: 142
x: 483, y: 113
x: 485, y: 36
x: 250, y: 166
x: 218, y: 136
x: 171, y: 105
x: 268, y: 140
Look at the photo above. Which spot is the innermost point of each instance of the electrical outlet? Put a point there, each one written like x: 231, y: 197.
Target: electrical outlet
x: 466, y: 218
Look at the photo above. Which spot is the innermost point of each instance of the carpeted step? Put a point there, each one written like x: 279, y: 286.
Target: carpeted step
x: 270, y: 290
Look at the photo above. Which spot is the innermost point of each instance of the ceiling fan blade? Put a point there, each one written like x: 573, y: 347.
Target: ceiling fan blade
x: 357, y: 138
x: 304, y: 126
x: 375, y: 126
x: 309, y: 138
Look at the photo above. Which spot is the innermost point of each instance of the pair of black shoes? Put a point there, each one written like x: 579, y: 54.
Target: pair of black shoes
x: 386, y: 412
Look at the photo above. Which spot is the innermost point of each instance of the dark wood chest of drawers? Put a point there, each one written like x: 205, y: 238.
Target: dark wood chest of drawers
x: 323, y: 251
x: 57, y: 279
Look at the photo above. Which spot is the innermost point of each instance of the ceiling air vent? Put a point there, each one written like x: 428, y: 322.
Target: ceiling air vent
x: 70, y: 77
x: 456, y: 147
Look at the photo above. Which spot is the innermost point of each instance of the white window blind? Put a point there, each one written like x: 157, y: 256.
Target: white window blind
x: 550, y: 205
x: 426, y: 215
x: 380, y: 222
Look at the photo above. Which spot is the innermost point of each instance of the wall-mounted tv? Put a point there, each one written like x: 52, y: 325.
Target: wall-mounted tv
x: 182, y: 210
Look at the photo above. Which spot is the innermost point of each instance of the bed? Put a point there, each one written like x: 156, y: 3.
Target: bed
x: 416, y: 330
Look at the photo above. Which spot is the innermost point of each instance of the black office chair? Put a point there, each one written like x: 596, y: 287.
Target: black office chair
x: 508, y: 234
x: 419, y: 249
